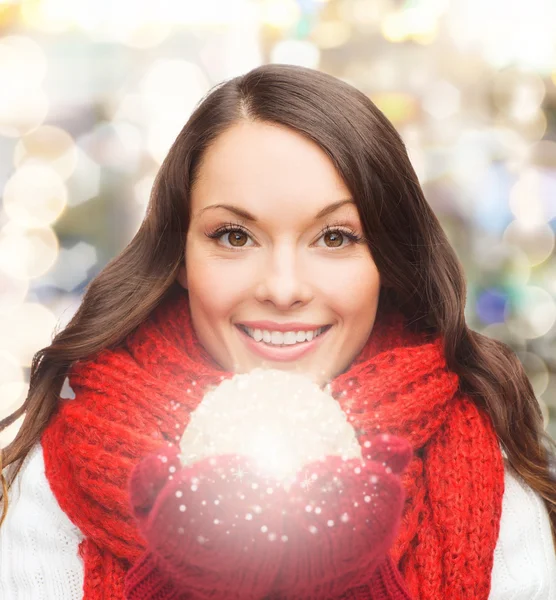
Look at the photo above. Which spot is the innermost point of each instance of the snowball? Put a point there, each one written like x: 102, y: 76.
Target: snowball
x: 281, y: 420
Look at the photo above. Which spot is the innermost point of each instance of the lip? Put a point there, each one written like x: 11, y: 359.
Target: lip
x: 281, y: 353
x: 271, y: 326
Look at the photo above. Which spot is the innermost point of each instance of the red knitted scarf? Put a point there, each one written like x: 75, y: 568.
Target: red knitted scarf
x: 129, y: 399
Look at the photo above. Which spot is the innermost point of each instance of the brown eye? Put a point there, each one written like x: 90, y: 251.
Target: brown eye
x: 333, y: 239
x: 237, y: 238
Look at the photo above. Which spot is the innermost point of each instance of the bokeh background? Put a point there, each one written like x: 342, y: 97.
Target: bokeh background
x: 93, y: 92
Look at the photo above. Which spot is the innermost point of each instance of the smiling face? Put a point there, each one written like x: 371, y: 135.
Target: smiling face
x: 277, y: 269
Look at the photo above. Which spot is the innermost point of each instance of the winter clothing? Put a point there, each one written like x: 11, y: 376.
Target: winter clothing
x: 219, y: 536
x: 131, y: 398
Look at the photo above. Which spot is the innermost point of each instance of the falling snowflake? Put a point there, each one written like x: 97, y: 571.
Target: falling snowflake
x: 306, y: 483
x: 239, y: 474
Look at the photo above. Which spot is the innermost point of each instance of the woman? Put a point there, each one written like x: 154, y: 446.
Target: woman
x: 287, y: 202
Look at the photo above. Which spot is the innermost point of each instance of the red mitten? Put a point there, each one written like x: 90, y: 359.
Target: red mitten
x: 213, y: 528
x: 342, y: 518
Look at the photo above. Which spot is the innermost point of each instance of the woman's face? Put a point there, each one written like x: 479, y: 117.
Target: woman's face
x: 276, y: 266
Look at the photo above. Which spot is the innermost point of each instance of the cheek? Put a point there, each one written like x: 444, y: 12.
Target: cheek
x: 352, y: 288
x: 230, y: 278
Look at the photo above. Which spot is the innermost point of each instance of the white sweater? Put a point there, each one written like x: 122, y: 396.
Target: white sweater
x: 39, y: 558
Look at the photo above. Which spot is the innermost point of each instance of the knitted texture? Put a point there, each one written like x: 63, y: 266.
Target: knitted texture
x: 131, y: 398
x: 146, y: 581
x: 281, y: 549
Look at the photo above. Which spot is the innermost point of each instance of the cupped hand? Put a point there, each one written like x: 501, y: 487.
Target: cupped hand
x: 342, y: 518
x: 218, y: 527
x: 214, y: 525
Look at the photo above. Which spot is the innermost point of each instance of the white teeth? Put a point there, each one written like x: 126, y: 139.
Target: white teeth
x: 277, y: 337
x: 290, y: 337
x: 280, y: 338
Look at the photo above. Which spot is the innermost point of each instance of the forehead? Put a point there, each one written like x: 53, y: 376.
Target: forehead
x: 262, y: 168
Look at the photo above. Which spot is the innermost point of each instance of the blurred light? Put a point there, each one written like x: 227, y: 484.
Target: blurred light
x: 129, y: 107
x: 393, y: 27
x: 296, y: 52
x: 527, y: 99
x: 12, y: 292
x: 532, y: 197
x: 23, y: 105
x: 280, y: 13
x: 208, y: 12
x: 366, y: 13
x: 543, y: 154
x: 549, y: 394
x: 170, y: 90
x: 20, y: 115
x: 50, y: 16
x: 492, y: 213
x: 84, y: 183
x: 533, y: 130
x: 508, y: 263
x: 117, y: 145
x: 102, y: 18
x: 506, y: 32
x: 376, y: 75
x: 531, y: 312
x: 531, y: 125
x: 90, y: 15
x: 135, y: 24
x: 500, y: 332
x: 536, y: 241
x: 72, y: 267
x: 234, y: 50
x: 509, y: 146
x: 412, y: 137
x: 64, y: 307
x: 22, y: 64
x: 441, y: 99
x: 470, y: 159
x: 35, y: 196
x: 417, y: 22
x: 172, y: 78
x: 490, y: 306
x: 331, y: 34
x: 27, y: 254
x: 518, y: 94
x: 13, y: 388
x: 536, y: 370
x: 142, y: 190
x: 146, y: 35
x: 397, y: 106
x: 28, y: 328
x: 48, y: 144
x: 547, y: 274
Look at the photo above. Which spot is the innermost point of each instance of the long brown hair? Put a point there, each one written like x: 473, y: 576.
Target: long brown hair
x: 420, y: 272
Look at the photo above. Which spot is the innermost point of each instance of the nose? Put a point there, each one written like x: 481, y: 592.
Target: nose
x: 283, y: 281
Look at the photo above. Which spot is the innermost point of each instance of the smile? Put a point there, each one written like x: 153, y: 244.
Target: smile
x: 282, y: 345
x: 282, y: 338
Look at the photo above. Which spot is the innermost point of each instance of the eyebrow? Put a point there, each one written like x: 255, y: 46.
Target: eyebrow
x: 327, y: 210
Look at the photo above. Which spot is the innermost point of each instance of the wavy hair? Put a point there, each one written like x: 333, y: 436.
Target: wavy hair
x: 420, y: 272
